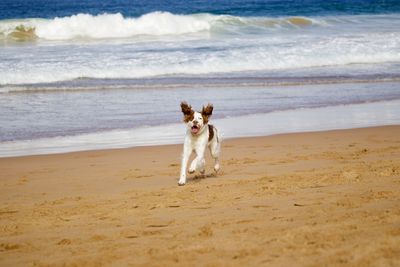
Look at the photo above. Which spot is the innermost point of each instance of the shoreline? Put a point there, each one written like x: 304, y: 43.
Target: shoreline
x: 305, y: 199
x: 277, y: 122
x: 180, y: 144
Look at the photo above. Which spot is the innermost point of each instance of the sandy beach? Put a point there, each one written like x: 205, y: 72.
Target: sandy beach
x: 306, y: 199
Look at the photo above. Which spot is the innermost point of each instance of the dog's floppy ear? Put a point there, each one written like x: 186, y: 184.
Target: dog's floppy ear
x: 207, y: 112
x: 187, y: 111
x: 186, y: 108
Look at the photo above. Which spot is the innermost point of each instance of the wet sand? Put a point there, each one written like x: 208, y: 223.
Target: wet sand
x: 308, y: 199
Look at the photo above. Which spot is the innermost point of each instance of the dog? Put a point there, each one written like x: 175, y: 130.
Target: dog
x: 199, y: 136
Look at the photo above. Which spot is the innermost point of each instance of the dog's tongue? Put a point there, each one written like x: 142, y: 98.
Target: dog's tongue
x: 195, y: 130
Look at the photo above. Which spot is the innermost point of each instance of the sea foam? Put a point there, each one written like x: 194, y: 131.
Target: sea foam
x: 110, y: 46
x: 116, y: 26
x: 106, y: 26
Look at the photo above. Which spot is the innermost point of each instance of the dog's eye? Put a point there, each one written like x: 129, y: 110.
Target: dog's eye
x: 200, y: 118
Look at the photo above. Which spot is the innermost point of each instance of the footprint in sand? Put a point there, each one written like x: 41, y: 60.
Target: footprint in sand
x: 8, y: 246
x: 205, y: 231
x: 261, y: 206
x: 64, y: 242
x: 98, y: 238
x: 351, y: 176
x: 131, y: 234
x: 231, y: 161
x: 249, y: 161
x: 173, y: 165
x: 23, y: 180
x: 7, y: 212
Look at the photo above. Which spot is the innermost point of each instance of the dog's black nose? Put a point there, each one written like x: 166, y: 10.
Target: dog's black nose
x: 195, y: 122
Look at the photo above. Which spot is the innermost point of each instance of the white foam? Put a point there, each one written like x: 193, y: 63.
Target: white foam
x: 105, y: 26
x: 302, y: 120
x: 116, y: 26
x: 125, y: 62
x: 368, y: 40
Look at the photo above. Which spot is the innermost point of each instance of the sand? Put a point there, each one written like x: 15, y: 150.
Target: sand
x: 309, y: 199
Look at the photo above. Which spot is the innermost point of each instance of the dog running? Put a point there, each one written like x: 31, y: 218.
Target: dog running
x: 199, y: 136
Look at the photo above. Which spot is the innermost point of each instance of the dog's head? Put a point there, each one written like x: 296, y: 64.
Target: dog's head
x: 194, y: 120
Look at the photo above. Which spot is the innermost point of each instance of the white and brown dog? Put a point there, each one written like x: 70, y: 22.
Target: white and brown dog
x: 199, y: 136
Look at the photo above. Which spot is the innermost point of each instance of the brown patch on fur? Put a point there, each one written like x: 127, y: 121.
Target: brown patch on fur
x: 187, y: 112
x: 210, y: 132
x: 207, y: 112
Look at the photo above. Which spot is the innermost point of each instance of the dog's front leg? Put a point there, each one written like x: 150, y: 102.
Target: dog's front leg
x: 193, y: 165
x: 185, y: 158
x: 200, y: 161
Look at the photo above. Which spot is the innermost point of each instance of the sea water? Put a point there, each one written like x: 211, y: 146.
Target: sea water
x: 74, y: 74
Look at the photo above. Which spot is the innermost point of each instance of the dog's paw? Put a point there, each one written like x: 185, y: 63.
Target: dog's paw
x: 216, y: 167
x: 191, y: 171
x: 180, y: 183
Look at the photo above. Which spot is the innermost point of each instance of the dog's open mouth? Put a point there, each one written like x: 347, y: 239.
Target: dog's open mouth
x: 195, y: 129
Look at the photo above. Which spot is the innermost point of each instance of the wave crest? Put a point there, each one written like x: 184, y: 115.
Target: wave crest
x: 104, y: 26
x: 108, y: 26
x: 116, y: 26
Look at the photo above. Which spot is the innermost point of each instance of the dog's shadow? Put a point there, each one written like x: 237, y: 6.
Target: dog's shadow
x: 199, y: 177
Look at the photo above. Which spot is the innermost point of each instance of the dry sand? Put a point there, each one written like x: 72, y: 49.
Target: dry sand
x: 310, y: 199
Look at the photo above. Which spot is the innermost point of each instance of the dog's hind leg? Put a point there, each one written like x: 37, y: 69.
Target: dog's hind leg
x: 193, y: 165
x: 199, y: 162
x: 216, y: 165
x: 215, y: 150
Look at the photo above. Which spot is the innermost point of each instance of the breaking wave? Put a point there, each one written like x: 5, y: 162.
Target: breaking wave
x: 63, y: 49
x: 106, y: 26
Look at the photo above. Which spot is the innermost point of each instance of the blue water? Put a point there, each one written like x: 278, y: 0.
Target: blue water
x: 74, y: 68
x: 12, y: 9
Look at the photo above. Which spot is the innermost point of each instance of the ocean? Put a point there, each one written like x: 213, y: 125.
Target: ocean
x: 77, y: 75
